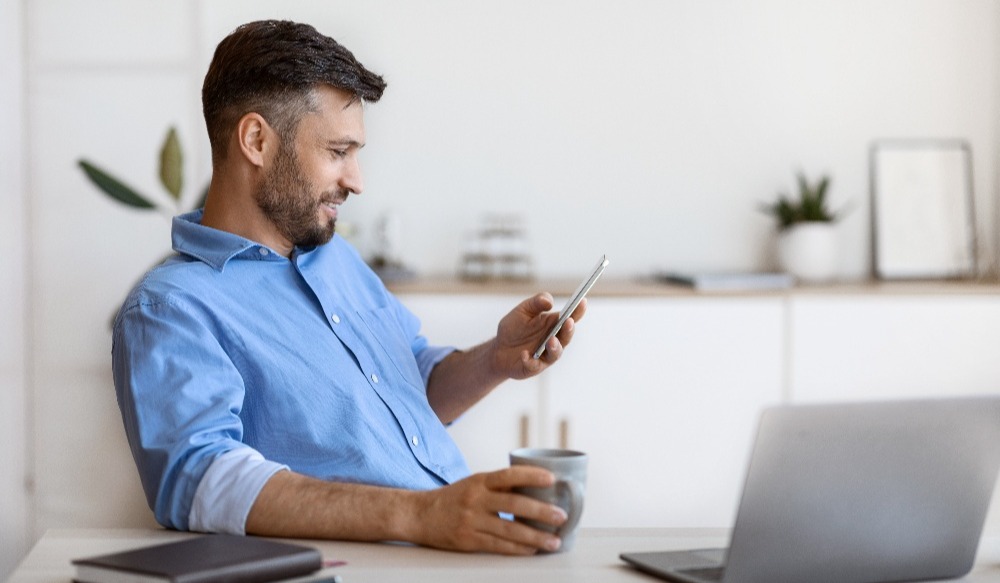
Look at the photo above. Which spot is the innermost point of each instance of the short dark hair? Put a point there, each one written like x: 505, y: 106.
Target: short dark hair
x: 271, y: 67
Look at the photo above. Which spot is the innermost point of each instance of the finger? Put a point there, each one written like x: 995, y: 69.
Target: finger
x: 553, y: 350
x: 519, y: 476
x: 530, y: 364
x: 566, y: 334
x: 487, y: 538
x: 499, y: 546
x: 518, y: 534
x: 546, y: 321
x: 527, y: 507
x: 580, y: 310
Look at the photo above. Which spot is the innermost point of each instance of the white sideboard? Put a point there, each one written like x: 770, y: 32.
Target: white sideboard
x: 662, y: 386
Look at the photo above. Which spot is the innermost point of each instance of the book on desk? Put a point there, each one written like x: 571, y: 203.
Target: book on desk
x: 212, y: 558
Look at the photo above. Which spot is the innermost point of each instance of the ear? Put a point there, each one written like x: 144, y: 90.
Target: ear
x: 256, y: 138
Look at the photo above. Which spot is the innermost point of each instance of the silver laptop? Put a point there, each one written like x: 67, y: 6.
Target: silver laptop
x: 856, y: 493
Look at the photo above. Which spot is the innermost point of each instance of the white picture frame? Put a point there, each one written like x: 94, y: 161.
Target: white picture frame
x: 923, y: 220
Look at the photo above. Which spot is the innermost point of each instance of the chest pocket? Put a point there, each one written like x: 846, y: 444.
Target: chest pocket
x: 381, y: 324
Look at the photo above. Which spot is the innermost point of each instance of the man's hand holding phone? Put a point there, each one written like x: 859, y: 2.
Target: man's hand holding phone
x: 515, y: 352
x: 574, y: 301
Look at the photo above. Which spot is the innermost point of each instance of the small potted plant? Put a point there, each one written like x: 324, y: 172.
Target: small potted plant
x: 807, y: 244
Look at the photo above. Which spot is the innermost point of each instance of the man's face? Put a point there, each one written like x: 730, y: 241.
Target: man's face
x: 310, y: 177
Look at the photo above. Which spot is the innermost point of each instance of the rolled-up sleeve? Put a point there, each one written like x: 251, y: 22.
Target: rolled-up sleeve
x: 180, y: 397
x: 429, y: 356
x: 228, y: 490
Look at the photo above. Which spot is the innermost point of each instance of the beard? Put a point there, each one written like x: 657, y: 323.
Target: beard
x: 286, y: 198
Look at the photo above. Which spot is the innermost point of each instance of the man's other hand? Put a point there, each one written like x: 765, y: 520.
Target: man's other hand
x: 523, y: 329
x: 465, y: 516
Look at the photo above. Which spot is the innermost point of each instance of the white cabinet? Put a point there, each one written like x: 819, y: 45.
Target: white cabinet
x: 873, y: 346
x: 662, y: 395
x: 663, y: 390
x: 882, y: 346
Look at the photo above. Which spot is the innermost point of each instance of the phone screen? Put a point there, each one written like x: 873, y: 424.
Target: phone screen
x: 573, y: 302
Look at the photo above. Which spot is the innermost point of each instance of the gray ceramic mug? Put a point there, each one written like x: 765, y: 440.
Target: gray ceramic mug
x: 570, y: 469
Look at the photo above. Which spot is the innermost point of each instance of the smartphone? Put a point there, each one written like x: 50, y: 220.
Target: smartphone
x: 573, y: 302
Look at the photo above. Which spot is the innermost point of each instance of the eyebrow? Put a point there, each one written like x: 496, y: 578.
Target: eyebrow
x: 348, y: 142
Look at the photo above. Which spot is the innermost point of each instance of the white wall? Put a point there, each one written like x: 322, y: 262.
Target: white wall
x: 647, y: 129
x: 14, y: 514
x: 106, y: 78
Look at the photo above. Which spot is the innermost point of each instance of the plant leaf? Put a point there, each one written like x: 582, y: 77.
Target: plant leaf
x: 821, y: 188
x: 171, y: 164
x: 115, y: 188
x: 804, y: 190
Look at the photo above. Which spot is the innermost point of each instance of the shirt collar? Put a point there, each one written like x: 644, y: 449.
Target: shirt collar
x: 212, y: 246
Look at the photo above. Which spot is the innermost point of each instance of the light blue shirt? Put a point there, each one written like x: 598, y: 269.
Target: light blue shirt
x: 232, y: 362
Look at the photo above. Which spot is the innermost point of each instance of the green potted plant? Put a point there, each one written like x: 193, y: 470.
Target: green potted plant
x: 807, y: 244
x: 810, y: 206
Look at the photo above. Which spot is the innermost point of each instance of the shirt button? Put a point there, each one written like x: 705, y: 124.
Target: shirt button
x: 415, y: 441
x: 375, y: 378
x: 263, y: 251
x: 335, y: 318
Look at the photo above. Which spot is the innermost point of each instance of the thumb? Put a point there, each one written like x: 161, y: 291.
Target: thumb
x: 539, y: 303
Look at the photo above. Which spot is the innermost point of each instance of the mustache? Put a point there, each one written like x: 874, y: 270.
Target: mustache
x: 336, y: 196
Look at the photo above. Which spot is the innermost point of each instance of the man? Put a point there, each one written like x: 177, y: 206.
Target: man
x: 268, y: 382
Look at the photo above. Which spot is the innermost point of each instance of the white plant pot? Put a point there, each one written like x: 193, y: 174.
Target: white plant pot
x: 809, y: 252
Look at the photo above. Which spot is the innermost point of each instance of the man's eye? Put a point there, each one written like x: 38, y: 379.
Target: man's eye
x: 339, y: 153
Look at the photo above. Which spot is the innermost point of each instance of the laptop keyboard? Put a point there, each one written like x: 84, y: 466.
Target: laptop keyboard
x: 706, y: 574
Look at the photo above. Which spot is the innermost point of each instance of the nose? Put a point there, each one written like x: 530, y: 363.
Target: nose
x: 352, y: 180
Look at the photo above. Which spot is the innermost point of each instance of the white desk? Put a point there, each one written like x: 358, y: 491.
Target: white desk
x: 594, y: 559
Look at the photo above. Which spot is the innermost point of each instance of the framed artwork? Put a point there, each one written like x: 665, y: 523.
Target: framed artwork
x: 923, y: 221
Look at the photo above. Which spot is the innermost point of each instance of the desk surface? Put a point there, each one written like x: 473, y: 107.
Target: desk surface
x: 594, y: 559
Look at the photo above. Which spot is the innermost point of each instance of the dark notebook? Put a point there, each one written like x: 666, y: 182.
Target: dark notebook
x: 215, y: 558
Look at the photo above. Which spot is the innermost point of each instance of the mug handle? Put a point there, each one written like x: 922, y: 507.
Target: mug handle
x: 575, y: 490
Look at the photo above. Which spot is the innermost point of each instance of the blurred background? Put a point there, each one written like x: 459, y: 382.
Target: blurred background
x: 650, y: 130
